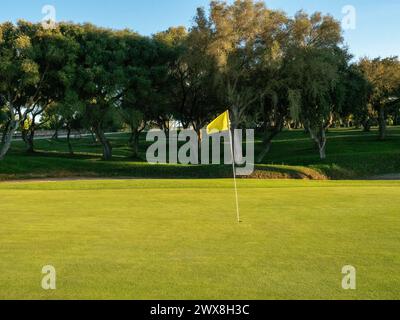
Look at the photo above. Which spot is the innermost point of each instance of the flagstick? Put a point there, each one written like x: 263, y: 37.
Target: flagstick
x: 234, y: 174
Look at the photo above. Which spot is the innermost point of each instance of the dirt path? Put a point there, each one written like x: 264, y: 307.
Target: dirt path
x: 45, y: 180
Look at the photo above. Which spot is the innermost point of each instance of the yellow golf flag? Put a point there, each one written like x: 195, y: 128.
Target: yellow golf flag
x: 220, y: 124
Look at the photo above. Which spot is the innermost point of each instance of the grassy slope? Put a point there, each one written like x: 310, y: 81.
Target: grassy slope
x: 152, y: 239
x: 351, y: 154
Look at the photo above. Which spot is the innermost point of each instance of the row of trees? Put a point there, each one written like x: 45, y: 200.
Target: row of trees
x: 271, y: 70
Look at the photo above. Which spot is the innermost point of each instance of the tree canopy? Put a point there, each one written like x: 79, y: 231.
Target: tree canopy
x: 271, y: 70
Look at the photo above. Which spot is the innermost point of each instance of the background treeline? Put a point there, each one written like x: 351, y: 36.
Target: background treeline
x: 272, y: 71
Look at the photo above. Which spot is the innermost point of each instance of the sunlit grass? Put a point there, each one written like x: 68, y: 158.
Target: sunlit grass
x: 178, y: 239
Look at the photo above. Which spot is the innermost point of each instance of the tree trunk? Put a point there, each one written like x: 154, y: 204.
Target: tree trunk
x: 382, y: 124
x: 93, y: 135
x: 107, y: 148
x: 28, y: 136
x: 71, y: 151
x: 268, y: 137
x: 134, y: 143
x: 55, y: 135
x: 7, y: 138
x: 30, y: 141
x: 24, y: 134
x: 366, y: 125
x: 320, y: 139
x: 322, y: 145
x: 4, y: 133
x: 322, y: 153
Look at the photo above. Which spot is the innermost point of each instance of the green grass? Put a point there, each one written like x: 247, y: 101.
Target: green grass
x: 178, y: 239
x: 352, y: 154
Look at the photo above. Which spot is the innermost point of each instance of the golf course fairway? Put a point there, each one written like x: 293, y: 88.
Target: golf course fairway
x: 179, y: 239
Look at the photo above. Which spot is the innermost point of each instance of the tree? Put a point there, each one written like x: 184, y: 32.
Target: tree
x: 55, y: 56
x: 203, y: 102
x: 271, y: 79
x: 19, y: 79
x: 273, y: 107
x: 314, y: 62
x: 317, y: 74
x: 355, y: 90
x: 268, y: 69
x: 235, y: 31
x: 144, y: 92
x: 33, y: 60
x: 242, y: 37
x: 384, y: 78
x: 99, y: 77
x: 3, y: 122
x: 70, y: 113
x: 193, y: 76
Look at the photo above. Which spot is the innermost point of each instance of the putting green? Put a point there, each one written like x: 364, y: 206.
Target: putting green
x: 178, y: 239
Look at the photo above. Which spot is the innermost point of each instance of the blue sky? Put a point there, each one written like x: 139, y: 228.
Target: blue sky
x: 377, y: 30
